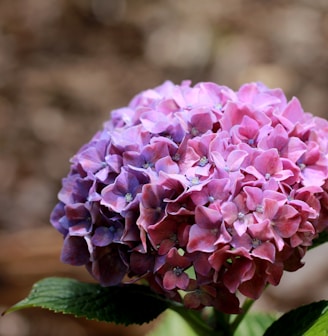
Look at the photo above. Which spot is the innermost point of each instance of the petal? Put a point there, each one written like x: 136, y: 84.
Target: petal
x: 207, y: 218
x: 141, y: 263
x: 287, y: 227
x: 265, y: 251
x: 55, y: 218
x: 254, y: 197
x: 102, y: 236
x: 182, y: 281
x: 293, y: 113
x: 268, y: 162
x: 90, y: 159
x: 201, y: 239
x: 240, y: 271
x: 110, y: 269
x: 154, y: 122
x: 314, y: 176
x: 229, y: 212
x: 201, y: 263
x: 270, y: 208
x: 169, y: 280
x: 294, y: 149
x: 235, y: 159
x: 219, y: 257
x: 254, y: 287
x: 240, y: 226
x: 175, y: 259
x: 75, y: 251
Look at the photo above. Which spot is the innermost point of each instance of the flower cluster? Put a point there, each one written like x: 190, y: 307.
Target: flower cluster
x: 198, y: 189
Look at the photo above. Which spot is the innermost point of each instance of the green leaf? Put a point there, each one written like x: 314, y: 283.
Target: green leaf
x: 309, y: 320
x: 255, y: 324
x: 126, y: 304
x: 320, y: 327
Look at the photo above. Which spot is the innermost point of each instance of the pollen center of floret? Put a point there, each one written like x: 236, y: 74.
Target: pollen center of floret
x: 301, y: 166
x: 267, y: 176
x: 203, y: 161
x: 194, y: 180
x: 177, y: 270
x: 214, y: 231
x: 176, y: 157
x: 194, y: 131
x: 227, y: 169
x: 259, y: 208
x: 230, y: 230
x: 211, y: 199
x: 256, y: 242
x: 147, y: 165
x: 251, y: 142
x: 174, y: 238
x: 112, y: 229
x: 241, y: 215
x: 128, y: 197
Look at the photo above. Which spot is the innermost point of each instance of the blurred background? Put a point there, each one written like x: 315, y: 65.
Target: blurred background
x: 64, y: 64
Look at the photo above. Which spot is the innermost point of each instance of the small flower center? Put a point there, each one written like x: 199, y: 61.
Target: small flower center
x: 230, y: 230
x: 147, y: 165
x: 194, y: 180
x: 174, y: 238
x: 128, y: 197
x: 177, y: 270
x: 203, y: 161
x: 302, y: 166
x: 227, y: 169
x: 218, y: 106
x: 214, y: 231
x: 194, y: 131
x: 267, y: 176
x: 259, y: 208
x: 176, y: 157
x: 256, y: 242
x: 251, y: 142
x: 211, y: 199
x: 241, y: 216
x: 112, y: 229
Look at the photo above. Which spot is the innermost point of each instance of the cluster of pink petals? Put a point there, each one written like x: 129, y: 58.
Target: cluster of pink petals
x: 198, y: 189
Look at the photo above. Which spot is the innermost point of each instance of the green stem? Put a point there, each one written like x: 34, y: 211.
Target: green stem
x: 220, y: 322
x: 245, y: 308
x: 194, y: 319
x: 199, y: 326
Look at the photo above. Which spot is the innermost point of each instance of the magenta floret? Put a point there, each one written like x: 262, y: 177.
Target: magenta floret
x: 200, y: 189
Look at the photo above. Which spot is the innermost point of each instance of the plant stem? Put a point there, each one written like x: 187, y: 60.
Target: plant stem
x: 194, y: 319
x: 222, y: 322
x: 246, y: 306
x: 200, y: 327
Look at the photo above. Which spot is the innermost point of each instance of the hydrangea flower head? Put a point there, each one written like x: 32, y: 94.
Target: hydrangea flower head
x: 200, y: 189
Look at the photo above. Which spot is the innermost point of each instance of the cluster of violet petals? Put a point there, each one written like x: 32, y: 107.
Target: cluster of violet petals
x: 200, y: 189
